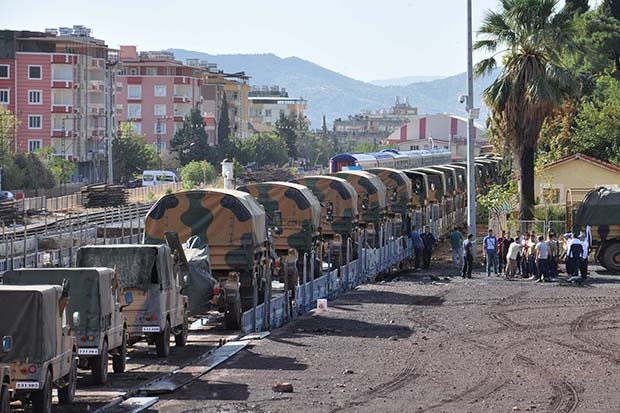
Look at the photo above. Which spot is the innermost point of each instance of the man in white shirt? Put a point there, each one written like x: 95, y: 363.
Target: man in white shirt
x: 583, y: 263
x: 542, y: 257
x: 513, y: 252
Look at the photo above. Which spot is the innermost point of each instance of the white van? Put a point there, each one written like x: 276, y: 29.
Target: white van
x: 150, y: 178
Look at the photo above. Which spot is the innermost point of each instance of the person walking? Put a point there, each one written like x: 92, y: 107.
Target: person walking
x: 418, y: 248
x: 489, y: 244
x: 456, y: 242
x: 512, y: 256
x: 541, y: 259
x: 429, y: 243
x: 468, y: 256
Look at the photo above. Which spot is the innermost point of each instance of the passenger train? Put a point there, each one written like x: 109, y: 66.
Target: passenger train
x: 389, y: 158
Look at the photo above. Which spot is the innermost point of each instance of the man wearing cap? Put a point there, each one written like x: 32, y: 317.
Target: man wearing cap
x: 583, y: 262
x: 574, y: 253
x: 489, y: 244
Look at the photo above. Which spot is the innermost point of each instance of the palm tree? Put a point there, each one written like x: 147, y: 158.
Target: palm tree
x: 530, y: 37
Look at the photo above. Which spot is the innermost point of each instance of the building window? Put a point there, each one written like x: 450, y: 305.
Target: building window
x: 4, y: 71
x: 134, y: 92
x: 160, y: 91
x: 137, y: 127
x: 151, y: 71
x: 35, y: 121
x: 267, y: 113
x: 160, y: 128
x: 34, y: 72
x: 34, y: 97
x: 414, y: 147
x: 133, y: 71
x: 551, y: 195
x: 160, y: 110
x: 134, y: 111
x: 4, y: 96
x: 34, y: 144
x: 281, y: 112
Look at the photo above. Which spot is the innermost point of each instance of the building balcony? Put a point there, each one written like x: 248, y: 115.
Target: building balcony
x: 179, y: 118
x: 181, y: 80
x: 59, y: 133
x: 181, y: 99
x: 65, y: 108
x: 96, y: 86
x: 62, y: 84
x: 64, y: 59
x: 96, y: 109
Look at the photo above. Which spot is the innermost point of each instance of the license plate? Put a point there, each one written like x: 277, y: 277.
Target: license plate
x: 27, y: 385
x: 88, y: 351
x: 152, y: 329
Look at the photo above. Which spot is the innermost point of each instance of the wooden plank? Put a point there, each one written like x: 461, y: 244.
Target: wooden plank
x: 133, y: 405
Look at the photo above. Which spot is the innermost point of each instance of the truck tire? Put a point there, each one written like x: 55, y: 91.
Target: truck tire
x: 611, y: 258
x: 232, y: 316
x: 99, y: 365
x: 180, y: 339
x: 67, y: 393
x: 162, y: 341
x: 119, y: 361
x: 5, y: 402
x: 42, y: 399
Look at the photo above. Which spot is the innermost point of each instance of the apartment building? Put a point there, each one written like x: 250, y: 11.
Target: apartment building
x: 59, y: 83
x: 158, y: 93
x: 267, y: 103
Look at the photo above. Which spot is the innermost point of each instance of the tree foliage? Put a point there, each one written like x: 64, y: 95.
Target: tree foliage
x: 197, y: 172
x: 130, y: 153
x: 289, y: 128
x: 190, y: 141
x: 265, y: 148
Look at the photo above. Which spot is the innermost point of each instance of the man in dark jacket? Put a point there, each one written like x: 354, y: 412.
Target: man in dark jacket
x: 428, y: 239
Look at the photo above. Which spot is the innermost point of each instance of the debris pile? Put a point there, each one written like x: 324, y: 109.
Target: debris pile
x: 101, y: 196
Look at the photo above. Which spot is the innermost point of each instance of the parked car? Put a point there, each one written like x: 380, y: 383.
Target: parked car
x: 7, y: 196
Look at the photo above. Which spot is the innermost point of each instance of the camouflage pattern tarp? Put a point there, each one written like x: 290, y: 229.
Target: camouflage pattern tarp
x: 30, y: 316
x: 301, y: 212
x: 398, y: 186
x: 230, y: 222
x: 343, y: 199
x: 369, y: 189
x: 600, y: 206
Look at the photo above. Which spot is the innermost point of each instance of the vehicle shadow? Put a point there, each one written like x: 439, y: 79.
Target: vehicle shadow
x: 348, y: 328
x: 387, y: 297
x: 214, y: 390
x: 249, y: 360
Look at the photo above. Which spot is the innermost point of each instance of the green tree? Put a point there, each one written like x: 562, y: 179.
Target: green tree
x: 532, y: 83
x: 190, y: 141
x: 288, y: 127
x: 61, y: 169
x: 197, y: 172
x: 223, y: 124
x: 265, y: 148
x: 130, y: 153
x: 577, y: 6
x: 8, y: 123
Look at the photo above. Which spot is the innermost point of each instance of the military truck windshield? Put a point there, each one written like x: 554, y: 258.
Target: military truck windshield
x: 137, y: 267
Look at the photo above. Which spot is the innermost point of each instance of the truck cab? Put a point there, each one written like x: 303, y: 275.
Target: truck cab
x: 95, y: 313
x: 38, y: 350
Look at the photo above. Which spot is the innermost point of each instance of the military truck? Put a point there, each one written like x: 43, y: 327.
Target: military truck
x: 598, y: 214
x: 96, y: 317
x: 399, y: 194
x: 38, y: 349
x: 154, y: 305
x: 293, y: 214
x: 234, y: 227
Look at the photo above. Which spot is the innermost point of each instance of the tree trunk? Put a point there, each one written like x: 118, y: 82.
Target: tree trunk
x: 526, y: 183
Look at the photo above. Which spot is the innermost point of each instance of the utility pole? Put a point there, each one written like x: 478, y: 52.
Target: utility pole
x: 471, y: 139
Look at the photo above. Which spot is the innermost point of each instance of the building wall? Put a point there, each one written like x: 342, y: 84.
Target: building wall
x: 575, y: 173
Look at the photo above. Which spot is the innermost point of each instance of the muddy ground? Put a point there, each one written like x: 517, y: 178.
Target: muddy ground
x: 429, y: 341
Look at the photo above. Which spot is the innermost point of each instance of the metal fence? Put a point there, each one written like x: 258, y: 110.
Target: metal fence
x: 539, y: 226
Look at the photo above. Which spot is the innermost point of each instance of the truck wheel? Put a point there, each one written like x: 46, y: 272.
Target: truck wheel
x: 67, y: 393
x: 99, y: 365
x: 162, y: 341
x: 611, y: 258
x: 42, y: 399
x: 5, y: 402
x: 180, y: 339
x: 119, y: 361
x: 232, y: 316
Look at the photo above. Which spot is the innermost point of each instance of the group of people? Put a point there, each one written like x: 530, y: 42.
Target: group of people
x: 423, y: 246
x: 528, y: 255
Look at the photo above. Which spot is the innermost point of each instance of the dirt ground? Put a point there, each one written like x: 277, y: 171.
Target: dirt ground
x: 429, y: 341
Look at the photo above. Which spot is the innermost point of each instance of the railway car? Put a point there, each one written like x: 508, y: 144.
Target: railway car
x: 399, y: 194
x: 390, y: 158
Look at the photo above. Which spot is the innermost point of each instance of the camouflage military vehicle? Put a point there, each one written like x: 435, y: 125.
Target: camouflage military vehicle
x: 38, y: 347
x: 96, y: 317
x: 371, y: 197
x: 338, y: 211
x: 154, y: 306
x: 233, y: 225
x: 293, y: 212
x: 399, y: 193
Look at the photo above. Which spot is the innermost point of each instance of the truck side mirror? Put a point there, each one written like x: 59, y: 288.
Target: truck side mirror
x: 76, y: 318
x: 330, y: 211
x: 7, y: 344
x: 277, y: 222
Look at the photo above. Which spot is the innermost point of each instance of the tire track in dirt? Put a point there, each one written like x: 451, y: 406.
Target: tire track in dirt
x: 580, y: 330
x: 565, y: 398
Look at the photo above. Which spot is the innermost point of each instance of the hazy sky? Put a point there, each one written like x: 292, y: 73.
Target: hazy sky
x: 363, y: 39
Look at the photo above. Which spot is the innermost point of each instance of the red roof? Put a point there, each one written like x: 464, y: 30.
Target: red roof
x: 589, y: 159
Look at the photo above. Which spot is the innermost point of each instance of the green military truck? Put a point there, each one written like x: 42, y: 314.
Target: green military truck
x: 399, y: 197
x: 233, y: 225
x: 597, y: 214
x: 39, y: 352
x: 96, y: 317
x: 154, y: 306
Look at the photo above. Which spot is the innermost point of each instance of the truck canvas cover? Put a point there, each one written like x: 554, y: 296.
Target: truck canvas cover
x: 398, y: 181
x: 87, y: 285
x: 367, y: 183
x: 30, y: 316
x: 600, y: 206
x: 239, y: 230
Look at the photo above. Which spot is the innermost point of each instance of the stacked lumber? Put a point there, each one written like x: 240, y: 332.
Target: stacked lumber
x: 9, y: 213
x: 101, y: 196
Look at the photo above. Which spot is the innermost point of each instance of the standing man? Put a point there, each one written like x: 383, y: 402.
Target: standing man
x: 513, y: 252
x: 503, y: 250
x: 541, y: 259
x: 418, y: 247
x: 554, y: 254
x: 429, y: 243
x: 456, y: 241
x: 489, y: 244
x: 583, y: 264
x: 574, y: 256
x: 468, y: 256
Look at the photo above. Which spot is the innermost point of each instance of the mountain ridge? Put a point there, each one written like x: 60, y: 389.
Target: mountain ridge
x: 334, y: 95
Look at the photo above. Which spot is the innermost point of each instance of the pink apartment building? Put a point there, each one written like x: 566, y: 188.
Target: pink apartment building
x: 158, y: 92
x: 56, y: 83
